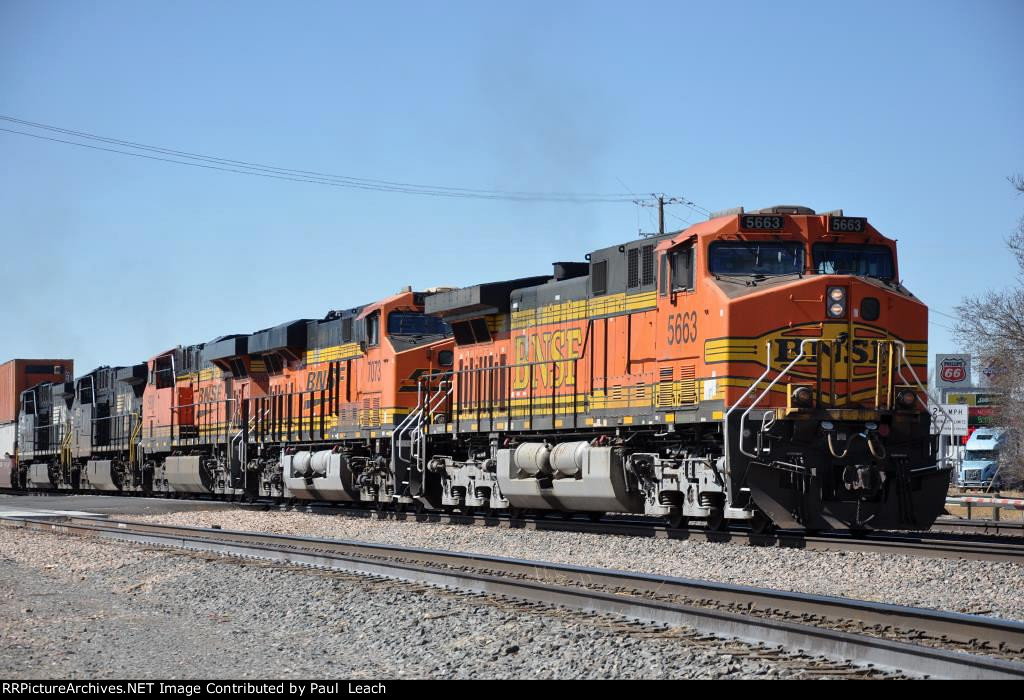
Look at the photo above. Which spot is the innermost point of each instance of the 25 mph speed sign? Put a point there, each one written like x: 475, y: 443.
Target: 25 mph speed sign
x: 941, y: 424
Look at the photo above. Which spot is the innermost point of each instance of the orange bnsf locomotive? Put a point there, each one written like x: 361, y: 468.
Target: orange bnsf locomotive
x: 763, y: 367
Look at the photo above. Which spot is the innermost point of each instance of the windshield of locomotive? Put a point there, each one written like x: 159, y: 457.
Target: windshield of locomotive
x: 852, y: 259
x: 412, y: 324
x: 756, y: 258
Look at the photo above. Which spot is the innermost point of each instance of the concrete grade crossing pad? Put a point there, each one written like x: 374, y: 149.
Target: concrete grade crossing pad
x: 64, y: 505
x: 40, y: 514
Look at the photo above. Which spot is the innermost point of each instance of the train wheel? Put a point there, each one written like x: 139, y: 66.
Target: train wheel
x: 595, y: 517
x: 418, y: 507
x: 761, y: 524
x: 515, y: 513
x: 717, y: 521
x: 677, y: 520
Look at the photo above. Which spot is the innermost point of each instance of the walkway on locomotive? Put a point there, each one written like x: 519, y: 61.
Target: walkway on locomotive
x: 350, y: 375
x: 675, y: 328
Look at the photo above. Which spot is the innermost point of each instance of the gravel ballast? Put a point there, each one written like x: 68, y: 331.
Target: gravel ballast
x: 73, y: 607
x: 979, y: 587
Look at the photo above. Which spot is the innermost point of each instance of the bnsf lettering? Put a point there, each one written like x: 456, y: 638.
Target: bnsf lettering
x: 857, y: 352
x: 209, y: 394
x: 548, y: 349
x: 318, y: 380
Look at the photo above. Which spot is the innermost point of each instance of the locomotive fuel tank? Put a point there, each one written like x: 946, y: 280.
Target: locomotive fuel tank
x: 591, y: 479
x: 100, y: 475
x: 186, y: 474
x: 324, y: 475
x: 39, y: 476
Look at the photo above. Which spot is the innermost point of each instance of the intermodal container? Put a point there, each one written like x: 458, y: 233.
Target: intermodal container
x: 18, y: 375
x: 8, y: 432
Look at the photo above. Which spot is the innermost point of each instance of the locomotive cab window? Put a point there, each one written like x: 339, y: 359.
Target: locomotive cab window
x: 163, y: 375
x: 373, y: 329
x: 407, y: 323
x: 852, y: 259
x: 743, y: 258
x: 85, y: 391
x: 677, y: 270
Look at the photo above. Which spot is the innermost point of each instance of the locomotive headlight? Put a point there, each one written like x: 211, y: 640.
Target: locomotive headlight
x: 802, y: 397
x: 836, y: 302
x: 906, y: 398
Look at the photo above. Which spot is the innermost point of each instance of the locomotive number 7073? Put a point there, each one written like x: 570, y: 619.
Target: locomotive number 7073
x: 682, y: 328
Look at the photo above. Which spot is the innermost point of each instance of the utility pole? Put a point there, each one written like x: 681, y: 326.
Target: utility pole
x: 660, y: 200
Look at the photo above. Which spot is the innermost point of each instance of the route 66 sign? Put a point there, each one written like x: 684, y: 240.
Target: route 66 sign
x: 952, y: 371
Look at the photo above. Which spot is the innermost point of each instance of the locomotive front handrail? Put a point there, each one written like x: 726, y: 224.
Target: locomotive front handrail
x: 772, y: 383
x: 899, y: 370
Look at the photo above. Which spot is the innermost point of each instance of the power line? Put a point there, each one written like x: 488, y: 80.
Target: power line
x: 676, y: 216
x: 289, y: 171
x: 242, y: 167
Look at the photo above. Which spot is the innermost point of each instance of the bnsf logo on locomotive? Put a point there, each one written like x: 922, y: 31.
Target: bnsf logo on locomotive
x: 858, y: 351
x: 319, y: 380
x: 550, y: 350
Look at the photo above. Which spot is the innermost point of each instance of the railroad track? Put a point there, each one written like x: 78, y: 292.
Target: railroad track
x: 927, y: 544
x: 909, y: 640
x: 981, y: 544
x: 982, y: 527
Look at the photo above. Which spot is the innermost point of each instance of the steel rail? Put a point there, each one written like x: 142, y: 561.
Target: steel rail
x: 924, y: 544
x: 1004, y: 528
x: 641, y: 596
x: 1004, y: 543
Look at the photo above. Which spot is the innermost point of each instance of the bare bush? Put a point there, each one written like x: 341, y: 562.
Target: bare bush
x: 991, y: 326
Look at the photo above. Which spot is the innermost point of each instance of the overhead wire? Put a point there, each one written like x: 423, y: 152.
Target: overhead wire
x: 189, y: 158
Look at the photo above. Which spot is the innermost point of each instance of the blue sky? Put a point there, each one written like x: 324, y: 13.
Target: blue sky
x: 909, y: 113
